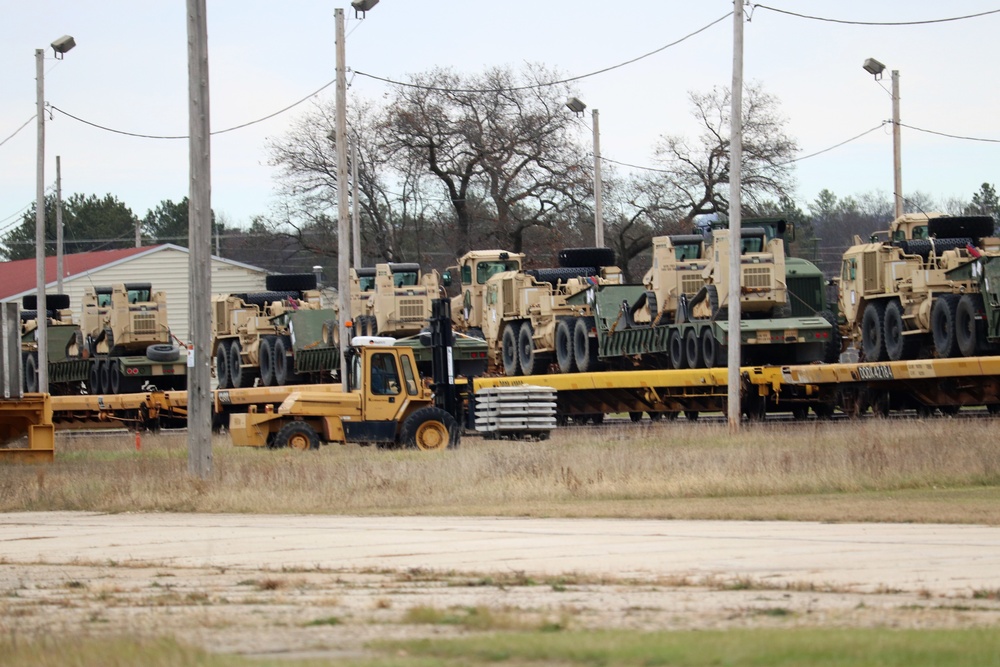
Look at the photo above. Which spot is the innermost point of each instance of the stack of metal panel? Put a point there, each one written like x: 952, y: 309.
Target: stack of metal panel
x: 525, y: 411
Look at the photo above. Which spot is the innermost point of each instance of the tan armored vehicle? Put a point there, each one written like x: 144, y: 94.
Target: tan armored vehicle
x: 393, y: 299
x: 277, y: 335
x: 902, y: 298
x: 64, y: 340
x: 523, y: 314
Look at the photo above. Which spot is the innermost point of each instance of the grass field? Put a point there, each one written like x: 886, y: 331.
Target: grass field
x: 938, y: 470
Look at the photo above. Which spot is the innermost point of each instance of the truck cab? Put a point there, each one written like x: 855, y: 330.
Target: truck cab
x: 474, y: 270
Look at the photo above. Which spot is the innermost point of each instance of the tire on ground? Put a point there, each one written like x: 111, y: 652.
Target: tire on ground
x: 430, y: 429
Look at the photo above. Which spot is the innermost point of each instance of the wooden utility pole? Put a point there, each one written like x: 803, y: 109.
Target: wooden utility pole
x: 735, y: 204
x: 41, y: 333
x: 897, y: 155
x: 598, y: 184
x: 343, y: 214
x: 59, y: 227
x: 199, y: 402
x: 355, y: 213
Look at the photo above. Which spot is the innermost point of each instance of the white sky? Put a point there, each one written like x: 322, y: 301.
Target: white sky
x: 129, y: 72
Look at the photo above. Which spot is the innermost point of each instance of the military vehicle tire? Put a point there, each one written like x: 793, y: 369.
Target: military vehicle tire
x: 222, y: 364
x: 970, y: 334
x: 951, y: 227
x: 692, y: 349
x: 585, y: 347
x: 238, y: 376
x: 531, y: 360
x: 284, y: 363
x: 873, y: 332
x: 290, y: 282
x: 430, y: 429
x: 31, y: 373
x: 331, y: 333
x: 712, y: 353
x: 265, y: 359
x: 165, y: 352
x: 565, y: 355
x: 675, y: 350
x: 897, y: 346
x: 943, y: 327
x: 586, y: 257
x: 509, y: 349
x: 296, y: 435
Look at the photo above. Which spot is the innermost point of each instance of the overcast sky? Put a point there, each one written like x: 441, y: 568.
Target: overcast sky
x: 129, y: 72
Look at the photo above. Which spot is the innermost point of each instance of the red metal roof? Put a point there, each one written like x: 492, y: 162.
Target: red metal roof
x: 19, y: 276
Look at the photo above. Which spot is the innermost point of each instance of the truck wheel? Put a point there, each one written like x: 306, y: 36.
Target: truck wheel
x: 675, y: 349
x: 106, y: 377
x: 222, y: 364
x: 265, y: 357
x: 532, y: 362
x: 897, y: 346
x: 238, y: 376
x: 712, y: 353
x: 508, y: 349
x: 584, y: 347
x: 943, y: 325
x: 297, y: 435
x: 284, y: 363
x: 94, y: 380
x: 564, y: 345
x: 331, y: 333
x: 165, y: 352
x: 430, y: 429
x: 692, y: 349
x: 114, y: 377
x: 969, y: 333
x: 30, y: 373
x: 873, y: 332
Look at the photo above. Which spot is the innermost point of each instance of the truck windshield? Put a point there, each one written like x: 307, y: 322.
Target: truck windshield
x: 753, y: 244
x: 486, y: 270
x: 366, y: 283
x: 138, y: 295
x: 404, y: 278
x: 686, y: 251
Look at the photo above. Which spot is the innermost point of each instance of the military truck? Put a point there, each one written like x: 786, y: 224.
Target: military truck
x: 67, y: 375
x: 393, y: 299
x: 520, y: 313
x: 662, y: 324
x: 281, y: 336
x: 126, y: 335
x: 907, y: 296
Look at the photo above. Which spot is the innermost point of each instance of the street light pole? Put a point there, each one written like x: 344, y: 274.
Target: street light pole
x: 59, y: 227
x: 41, y: 332
x: 343, y: 214
x: 598, y: 185
x: 897, y: 156
x: 734, y: 395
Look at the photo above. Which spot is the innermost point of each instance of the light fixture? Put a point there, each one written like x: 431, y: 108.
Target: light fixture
x: 575, y: 105
x: 62, y: 45
x: 874, y: 67
x: 362, y: 6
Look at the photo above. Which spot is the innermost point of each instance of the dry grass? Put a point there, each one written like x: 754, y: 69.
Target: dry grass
x: 907, y: 470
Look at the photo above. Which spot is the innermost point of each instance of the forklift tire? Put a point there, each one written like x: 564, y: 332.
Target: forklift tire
x: 430, y: 429
x: 297, y: 435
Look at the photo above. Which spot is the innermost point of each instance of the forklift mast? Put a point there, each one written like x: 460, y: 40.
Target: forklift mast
x: 442, y: 366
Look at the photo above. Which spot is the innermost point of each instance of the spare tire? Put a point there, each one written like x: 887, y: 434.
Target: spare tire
x: 950, y: 227
x: 586, y: 257
x: 261, y: 299
x: 52, y: 301
x: 290, y: 282
x: 554, y: 276
x: 163, y: 352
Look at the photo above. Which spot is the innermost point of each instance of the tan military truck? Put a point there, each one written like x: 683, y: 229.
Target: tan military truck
x: 67, y: 371
x: 281, y: 336
x: 397, y: 301
x: 901, y: 298
x: 127, y: 337
x: 523, y: 314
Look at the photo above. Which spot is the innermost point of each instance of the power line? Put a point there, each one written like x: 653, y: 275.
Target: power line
x: 228, y: 129
x: 18, y: 130
x: 950, y: 136
x: 846, y: 141
x: 549, y: 83
x: 875, y: 23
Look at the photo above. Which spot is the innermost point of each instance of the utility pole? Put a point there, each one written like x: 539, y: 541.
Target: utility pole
x: 41, y: 333
x: 355, y: 213
x: 598, y: 184
x: 200, y: 243
x: 734, y: 382
x: 897, y: 155
x: 59, y: 227
x: 343, y: 216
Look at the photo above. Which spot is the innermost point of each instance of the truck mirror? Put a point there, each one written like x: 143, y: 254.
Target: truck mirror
x: 446, y: 278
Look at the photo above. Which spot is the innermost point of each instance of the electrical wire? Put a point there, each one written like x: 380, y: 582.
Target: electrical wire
x: 18, y: 130
x: 535, y: 86
x: 875, y: 23
x: 846, y: 141
x: 950, y: 136
x: 228, y: 129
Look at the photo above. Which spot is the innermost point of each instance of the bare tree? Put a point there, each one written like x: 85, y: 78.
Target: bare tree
x: 697, y: 173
